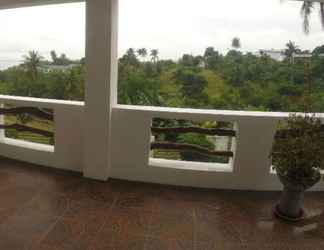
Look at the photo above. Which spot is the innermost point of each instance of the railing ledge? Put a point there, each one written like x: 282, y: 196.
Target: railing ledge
x: 37, y: 102
x: 207, y: 112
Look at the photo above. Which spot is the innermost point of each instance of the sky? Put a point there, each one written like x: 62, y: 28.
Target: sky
x: 174, y: 27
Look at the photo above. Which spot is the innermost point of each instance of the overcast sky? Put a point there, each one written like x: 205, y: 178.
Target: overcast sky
x: 173, y: 27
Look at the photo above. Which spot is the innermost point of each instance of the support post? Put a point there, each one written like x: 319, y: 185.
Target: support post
x: 100, y: 86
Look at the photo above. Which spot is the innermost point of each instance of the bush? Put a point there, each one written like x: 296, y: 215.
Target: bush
x: 195, y: 139
x: 298, y: 150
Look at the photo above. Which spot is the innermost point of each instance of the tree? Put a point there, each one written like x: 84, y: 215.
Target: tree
x: 142, y: 52
x: 318, y: 50
x: 188, y: 60
x: 32, y: 61
x: 291, y: 49
x: 128, y: 62
x: 234, y: 80
x: 154, y: 55
x: 74, y: 89
x: 137, y: 89
x: 195, y: 139
x: 199, y: 61
x: 131, y: 56
x: 192, y: 84
x: 236, y: 43
x: 209, y: 52
x: 306, y: 11
x: 322, y: 14
x: 63, y: 60
x: 212, y: 58
x: 54, y: 57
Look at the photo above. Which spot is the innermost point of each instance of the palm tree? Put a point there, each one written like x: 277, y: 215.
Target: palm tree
x: 291, y: 49
x: 154, y: 55
x: 54, y: 57
x: 142, y: 52
x: 131, y: 57
x: 32, y: 61
x: 322, y: 14
x: 210, y: 51
x: 306, y: 11
x: 236, y: 43
x: 131, y: 52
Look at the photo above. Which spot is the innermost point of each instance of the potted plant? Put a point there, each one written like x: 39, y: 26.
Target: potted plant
x: 298, y: 157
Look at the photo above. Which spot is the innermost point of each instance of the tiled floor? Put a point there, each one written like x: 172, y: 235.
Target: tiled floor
x: 47, y: 209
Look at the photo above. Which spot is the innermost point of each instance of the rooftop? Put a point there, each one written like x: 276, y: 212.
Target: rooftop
x: 46, y: 209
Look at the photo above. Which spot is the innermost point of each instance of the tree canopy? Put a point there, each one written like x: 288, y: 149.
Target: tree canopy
x: 235, y: 80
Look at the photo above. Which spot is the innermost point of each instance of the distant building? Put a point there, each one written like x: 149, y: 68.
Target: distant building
x: 48, y: 67
x: 302, y: 56
x: 277, y: 55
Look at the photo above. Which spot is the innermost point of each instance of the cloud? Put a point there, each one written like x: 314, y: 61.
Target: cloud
x: 43, y: 28
x: 172, y: 26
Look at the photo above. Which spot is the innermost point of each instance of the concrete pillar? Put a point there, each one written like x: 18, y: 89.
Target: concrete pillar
x: 100, y: 86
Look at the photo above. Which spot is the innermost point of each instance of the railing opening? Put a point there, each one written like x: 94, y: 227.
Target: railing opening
x: 29, y: 124
x: 185, y: 140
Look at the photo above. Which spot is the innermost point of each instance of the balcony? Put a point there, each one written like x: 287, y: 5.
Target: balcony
x: 98, y: 186
x: 70, y: 212
x: 101, y: 139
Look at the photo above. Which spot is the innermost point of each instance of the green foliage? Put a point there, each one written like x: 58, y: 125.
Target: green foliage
x: 61, y: 60
x: 192, y: 84
x: 54, y: 84
x: 306, y: 11
x: 31, y: 63
x: 298, y: 152
x: 135, y: 88
x: 24, y: 118
x: 318, y: 50
x: 291, y: 49
x: 195, y: 139
x: 212, y: 59
x: 187, y: 138
x: 236, y: 81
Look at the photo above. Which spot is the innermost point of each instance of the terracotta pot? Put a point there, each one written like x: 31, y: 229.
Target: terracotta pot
x: 290, y: 206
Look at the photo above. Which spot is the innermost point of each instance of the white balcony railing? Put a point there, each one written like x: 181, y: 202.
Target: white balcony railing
x: 67, y: 152
x: 249, y: 169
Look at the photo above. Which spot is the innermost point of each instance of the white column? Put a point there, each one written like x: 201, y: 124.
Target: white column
x: 100, y: 86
